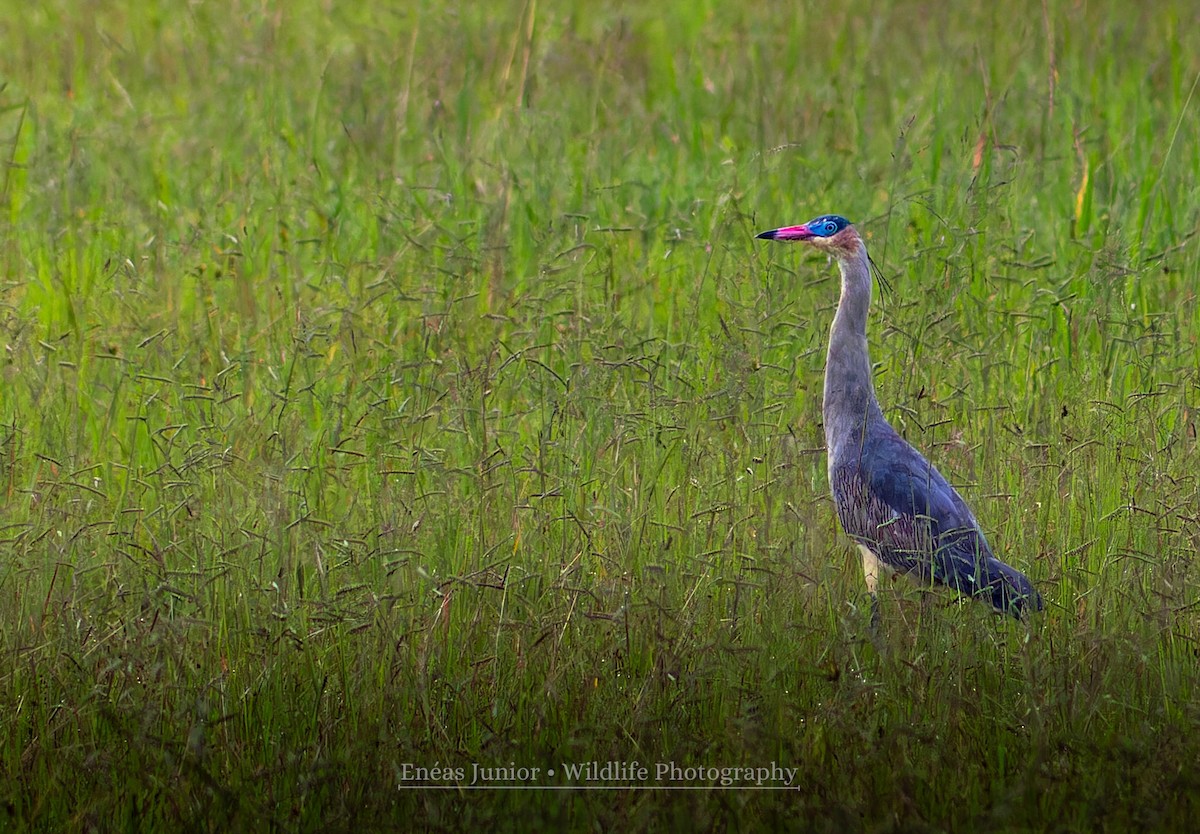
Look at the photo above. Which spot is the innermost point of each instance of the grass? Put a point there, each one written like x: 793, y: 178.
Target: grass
x: 403, y: 386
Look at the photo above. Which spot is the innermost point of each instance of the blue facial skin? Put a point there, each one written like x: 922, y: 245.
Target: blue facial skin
x: 827, y: 225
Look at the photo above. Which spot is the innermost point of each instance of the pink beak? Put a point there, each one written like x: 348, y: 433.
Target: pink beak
x: 801, y: 232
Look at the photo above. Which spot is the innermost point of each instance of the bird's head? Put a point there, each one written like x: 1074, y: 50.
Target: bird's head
x: 1013, y: 593
x: 830, y: 233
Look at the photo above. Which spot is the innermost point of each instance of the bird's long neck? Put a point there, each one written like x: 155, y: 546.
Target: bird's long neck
x: 850, y: 404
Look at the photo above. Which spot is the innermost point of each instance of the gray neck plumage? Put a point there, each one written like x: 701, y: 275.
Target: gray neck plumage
x: 850, y: 404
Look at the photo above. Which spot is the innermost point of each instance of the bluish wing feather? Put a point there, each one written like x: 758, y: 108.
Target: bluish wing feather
x: 903, y: 479
x: 894, y: 501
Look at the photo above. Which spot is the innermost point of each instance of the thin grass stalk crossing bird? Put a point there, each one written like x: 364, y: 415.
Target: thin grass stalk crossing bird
x: 891, y: 501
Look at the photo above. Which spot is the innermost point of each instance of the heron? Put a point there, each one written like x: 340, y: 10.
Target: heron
x: 902, y: 513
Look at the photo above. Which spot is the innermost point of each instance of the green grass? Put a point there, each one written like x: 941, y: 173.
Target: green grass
x: 401, y: 383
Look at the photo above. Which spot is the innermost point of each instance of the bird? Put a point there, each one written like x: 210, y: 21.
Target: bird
x: 890, y: 500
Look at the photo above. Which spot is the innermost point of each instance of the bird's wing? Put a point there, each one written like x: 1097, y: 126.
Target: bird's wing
x: 908, y: 483
x: 892, y: 499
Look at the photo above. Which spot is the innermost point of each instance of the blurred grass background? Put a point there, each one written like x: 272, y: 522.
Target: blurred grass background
x: 391, y: 383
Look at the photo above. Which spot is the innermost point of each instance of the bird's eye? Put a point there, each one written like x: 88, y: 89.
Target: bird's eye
x: 830, y: 227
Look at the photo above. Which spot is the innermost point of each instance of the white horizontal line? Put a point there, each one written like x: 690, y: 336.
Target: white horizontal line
x: 597, y: 787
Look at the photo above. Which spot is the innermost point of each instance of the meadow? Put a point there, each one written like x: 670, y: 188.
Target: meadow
x: 400, y: 385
